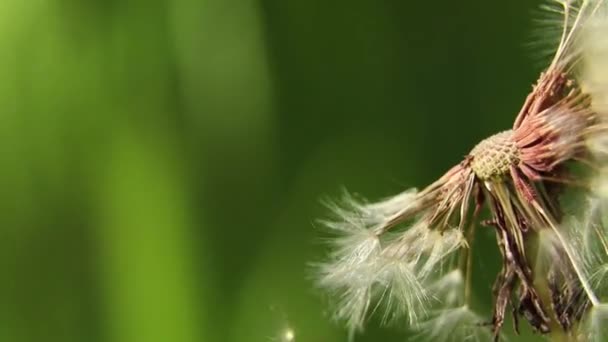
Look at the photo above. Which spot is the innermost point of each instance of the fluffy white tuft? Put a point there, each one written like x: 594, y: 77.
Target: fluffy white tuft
x: 365, y: 271
x: 407, y: 262
x: 352, y: 213
x: 349, y: 274
x: 594, y: 47
x: 442, y: 245
x: 449, y: 289
x: 595, y: 325
x: 589, y: 241
x: 555, y: 18
x: 403, y: 293
x: 454, y: 324
x: 573, y: 26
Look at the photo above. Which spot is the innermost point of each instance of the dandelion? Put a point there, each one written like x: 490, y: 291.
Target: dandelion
x: 410, y: 256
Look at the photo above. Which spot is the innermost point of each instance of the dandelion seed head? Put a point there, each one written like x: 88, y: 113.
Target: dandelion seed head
x: 390, y: 255
x: 493, y: 156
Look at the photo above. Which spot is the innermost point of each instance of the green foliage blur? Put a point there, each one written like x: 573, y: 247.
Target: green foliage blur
x: 163, y: 161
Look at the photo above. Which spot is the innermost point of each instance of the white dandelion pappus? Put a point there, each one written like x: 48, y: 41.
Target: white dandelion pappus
x: 453, y: 324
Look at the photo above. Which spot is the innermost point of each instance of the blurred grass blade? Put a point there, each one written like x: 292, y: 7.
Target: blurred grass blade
x: 149, y: 278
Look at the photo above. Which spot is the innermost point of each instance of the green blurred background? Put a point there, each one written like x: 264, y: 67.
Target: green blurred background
x: 162, y: 161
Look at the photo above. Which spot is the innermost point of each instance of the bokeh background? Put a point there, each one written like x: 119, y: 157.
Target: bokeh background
x: 162, y: 161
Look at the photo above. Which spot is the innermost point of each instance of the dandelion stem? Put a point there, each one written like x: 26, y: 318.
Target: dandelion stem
x: 586, y: 286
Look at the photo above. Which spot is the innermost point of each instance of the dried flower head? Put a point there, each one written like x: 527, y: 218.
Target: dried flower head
x: 410, y: 255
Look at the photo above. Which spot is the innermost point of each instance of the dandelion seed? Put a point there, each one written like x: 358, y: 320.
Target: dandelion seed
x: 448, y: 290
x: 455, y: 324
x: 391, y: 254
